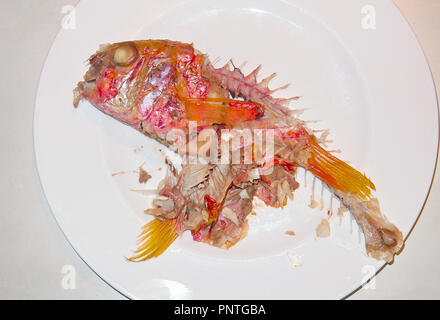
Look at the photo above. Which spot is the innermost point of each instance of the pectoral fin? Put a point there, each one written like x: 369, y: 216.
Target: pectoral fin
x: 155, y: 238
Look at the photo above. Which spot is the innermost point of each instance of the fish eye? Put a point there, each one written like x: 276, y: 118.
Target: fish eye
x: 125, y: 55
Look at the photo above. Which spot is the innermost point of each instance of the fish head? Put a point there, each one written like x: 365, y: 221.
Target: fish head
x: 127, y: 80
x: 113, y: 69
x: 159, y: 85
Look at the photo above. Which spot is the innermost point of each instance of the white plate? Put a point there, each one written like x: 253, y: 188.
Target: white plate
x: 371, y: 87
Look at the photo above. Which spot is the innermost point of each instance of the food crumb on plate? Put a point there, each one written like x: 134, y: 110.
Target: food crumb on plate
x: 118, y: 173
x: 323, y: 229
x: 137, y: 149
x: 294, y: 259
x: 290, y: 233
x: 313, y: 204
x: 144, y: 176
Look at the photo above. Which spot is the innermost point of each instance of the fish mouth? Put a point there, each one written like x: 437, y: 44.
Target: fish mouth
x: 77, y: 94
x: 83, y: 90
x: 85, y: 87
x: 96, y: 66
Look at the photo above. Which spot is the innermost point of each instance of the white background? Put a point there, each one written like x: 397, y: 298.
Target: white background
x: 33, y: 250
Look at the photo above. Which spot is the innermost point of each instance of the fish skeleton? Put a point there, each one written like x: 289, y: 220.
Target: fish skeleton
x: 163, y: 86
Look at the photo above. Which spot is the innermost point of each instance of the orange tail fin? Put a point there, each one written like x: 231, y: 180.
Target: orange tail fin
x: 155, y: 238
x: 337, y: 174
